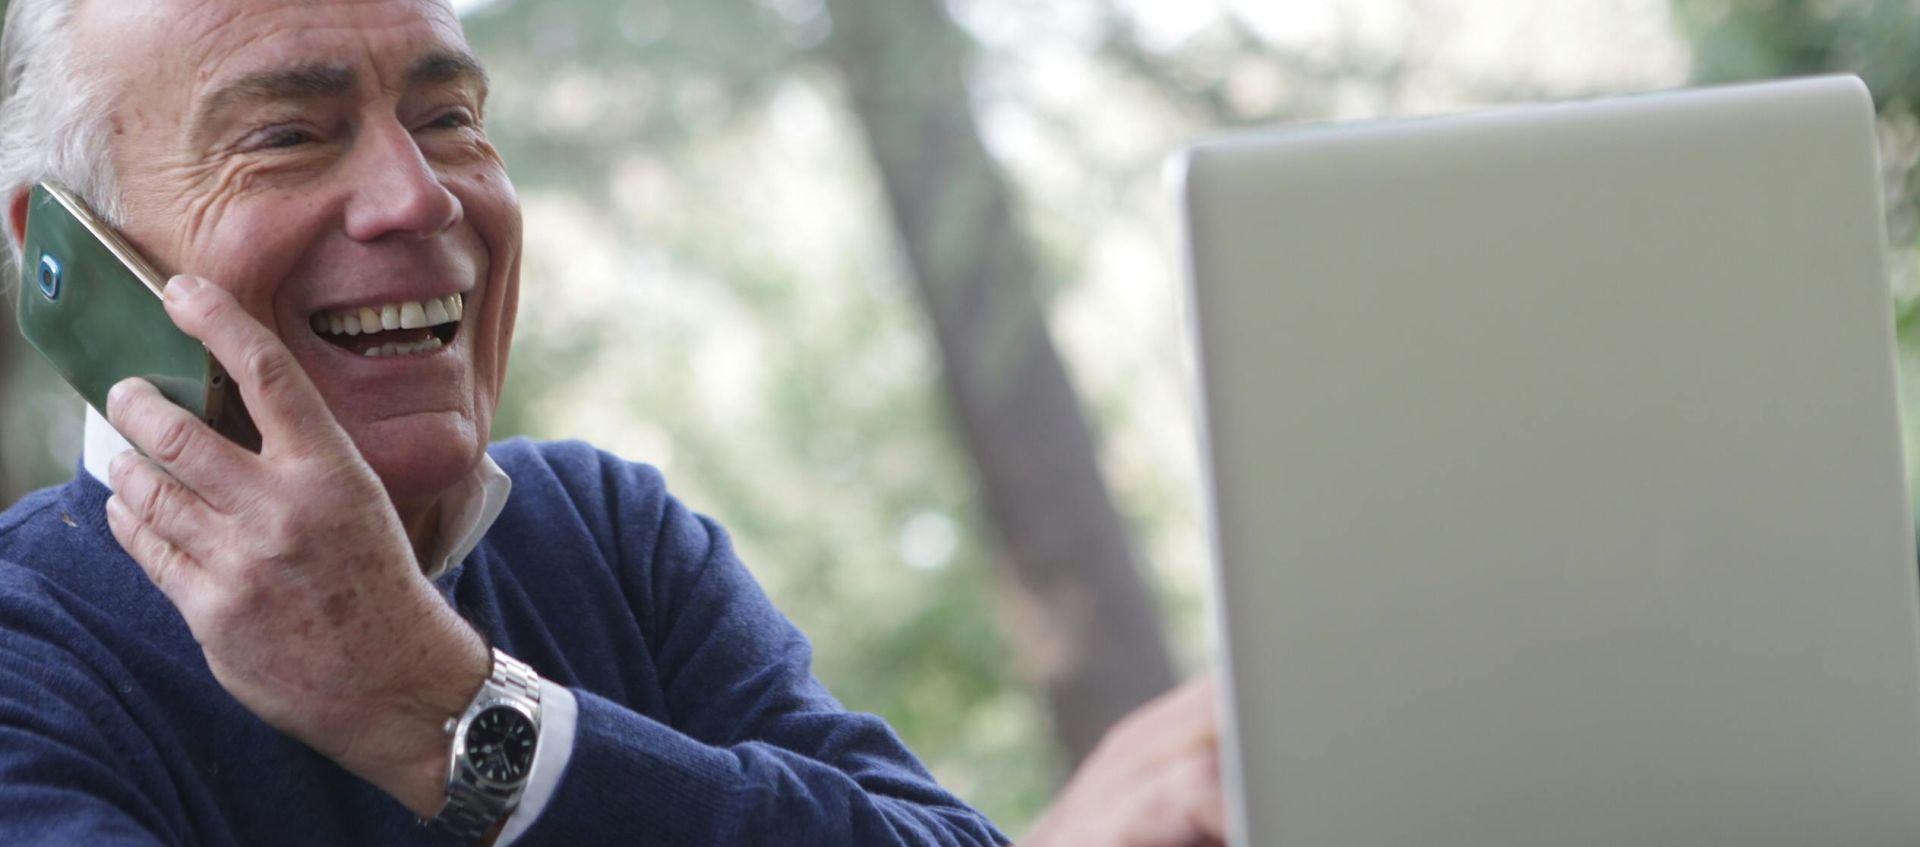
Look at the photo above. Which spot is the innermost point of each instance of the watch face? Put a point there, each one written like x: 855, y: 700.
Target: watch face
x: 500, y: 744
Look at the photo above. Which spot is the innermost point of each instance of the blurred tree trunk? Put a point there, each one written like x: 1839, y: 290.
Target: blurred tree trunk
x: 1084, y: 622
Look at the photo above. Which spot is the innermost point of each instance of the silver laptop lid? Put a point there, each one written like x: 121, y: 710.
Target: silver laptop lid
x: 1557, y: 479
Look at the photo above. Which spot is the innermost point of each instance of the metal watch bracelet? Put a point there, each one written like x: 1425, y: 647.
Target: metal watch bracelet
x: 475, y: 804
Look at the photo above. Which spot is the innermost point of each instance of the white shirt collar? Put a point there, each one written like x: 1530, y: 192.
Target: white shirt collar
x: 468, y: 512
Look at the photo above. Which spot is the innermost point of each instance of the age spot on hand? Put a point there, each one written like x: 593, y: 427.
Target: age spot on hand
x: 338, y: 605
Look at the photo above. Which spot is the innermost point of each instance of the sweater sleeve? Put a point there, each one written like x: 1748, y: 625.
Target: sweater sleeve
x: 63, y: 777
x: 754, y: 750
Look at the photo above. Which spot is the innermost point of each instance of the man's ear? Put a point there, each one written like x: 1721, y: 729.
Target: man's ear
x: 17, y: 216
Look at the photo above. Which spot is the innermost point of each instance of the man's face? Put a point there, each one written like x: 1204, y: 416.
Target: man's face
x: 321, y: 158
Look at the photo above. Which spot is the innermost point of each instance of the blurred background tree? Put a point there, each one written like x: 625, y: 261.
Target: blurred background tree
x: 892, y: 289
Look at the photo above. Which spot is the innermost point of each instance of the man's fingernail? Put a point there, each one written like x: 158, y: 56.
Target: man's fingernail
x: 183, y: 286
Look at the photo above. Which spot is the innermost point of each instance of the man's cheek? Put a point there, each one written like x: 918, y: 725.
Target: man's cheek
x: 255, y: 254
x: 216, y: 198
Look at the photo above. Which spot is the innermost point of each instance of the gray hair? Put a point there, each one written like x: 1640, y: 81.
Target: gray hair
x: 52, y: 120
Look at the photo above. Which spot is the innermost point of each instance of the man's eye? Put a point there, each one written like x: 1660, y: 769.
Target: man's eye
x: 283, y: 139
x: 455, y: 119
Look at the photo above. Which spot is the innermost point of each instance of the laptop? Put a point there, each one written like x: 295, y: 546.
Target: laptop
x: 1556, y: 477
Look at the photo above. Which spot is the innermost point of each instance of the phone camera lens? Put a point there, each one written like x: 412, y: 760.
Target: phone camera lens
x: 50, y: 276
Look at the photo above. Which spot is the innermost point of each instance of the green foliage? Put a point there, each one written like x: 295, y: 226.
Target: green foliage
x: 1759, y: 39
x: 679, y: 70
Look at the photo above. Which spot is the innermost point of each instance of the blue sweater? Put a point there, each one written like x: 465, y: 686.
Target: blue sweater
x: 699, y: 721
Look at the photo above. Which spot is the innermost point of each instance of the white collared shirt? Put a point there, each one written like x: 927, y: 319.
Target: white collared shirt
x: 468, y: 512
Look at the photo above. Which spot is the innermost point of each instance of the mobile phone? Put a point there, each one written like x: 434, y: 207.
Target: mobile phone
x: 91, y: 304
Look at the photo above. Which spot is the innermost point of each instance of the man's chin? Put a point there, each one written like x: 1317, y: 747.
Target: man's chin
x: 419, y: 457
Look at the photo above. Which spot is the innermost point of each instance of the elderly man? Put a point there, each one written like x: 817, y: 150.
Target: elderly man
x: 203, y: 643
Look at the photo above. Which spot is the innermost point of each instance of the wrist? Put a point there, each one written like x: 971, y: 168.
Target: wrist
x: 409, y: 760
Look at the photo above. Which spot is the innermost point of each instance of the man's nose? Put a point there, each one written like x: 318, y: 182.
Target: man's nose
x: 396, y: 191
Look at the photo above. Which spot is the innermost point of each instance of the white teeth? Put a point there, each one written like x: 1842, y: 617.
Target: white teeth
x: 411, y: 314
x: 396, y: 349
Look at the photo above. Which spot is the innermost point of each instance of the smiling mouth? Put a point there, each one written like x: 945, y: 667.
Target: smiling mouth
x: 402, y: 328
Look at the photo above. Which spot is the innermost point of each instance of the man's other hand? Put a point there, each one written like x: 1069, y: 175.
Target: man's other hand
x: 291, y: 566
x: 1153, y: 781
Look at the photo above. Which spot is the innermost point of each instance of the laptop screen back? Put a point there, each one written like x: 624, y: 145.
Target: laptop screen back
x: 1558, y: 489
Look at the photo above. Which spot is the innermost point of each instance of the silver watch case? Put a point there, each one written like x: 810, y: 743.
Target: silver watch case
x: 460, y: 740
x: 475, y: 803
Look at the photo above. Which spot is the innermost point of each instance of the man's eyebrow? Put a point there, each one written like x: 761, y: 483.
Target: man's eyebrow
x: 319, y: 79
x: 445, y: 67
x: 299, y: 82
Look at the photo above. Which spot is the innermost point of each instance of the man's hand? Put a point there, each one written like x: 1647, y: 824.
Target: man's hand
x: 291, y: 566
x: 1154, y: 781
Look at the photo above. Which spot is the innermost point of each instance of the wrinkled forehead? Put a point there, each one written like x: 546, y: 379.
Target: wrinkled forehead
x: 165, y: 54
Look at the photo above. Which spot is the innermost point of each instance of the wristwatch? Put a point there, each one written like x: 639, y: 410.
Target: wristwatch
x: 494, y: 742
